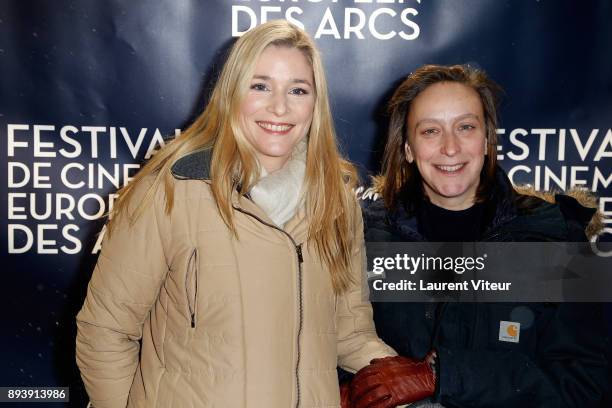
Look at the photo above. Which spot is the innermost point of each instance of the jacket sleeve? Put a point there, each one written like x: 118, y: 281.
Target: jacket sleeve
x: 125, y: 284
x: 358, y: 342
x: 569, y: 368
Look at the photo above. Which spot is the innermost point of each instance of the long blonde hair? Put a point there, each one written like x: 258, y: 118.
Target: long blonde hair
x: 329, y: 179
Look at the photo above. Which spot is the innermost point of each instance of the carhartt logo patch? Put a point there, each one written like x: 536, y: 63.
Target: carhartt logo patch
x: 509, y: 331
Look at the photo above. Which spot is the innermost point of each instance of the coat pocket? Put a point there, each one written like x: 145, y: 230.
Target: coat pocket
x: 191, y: 285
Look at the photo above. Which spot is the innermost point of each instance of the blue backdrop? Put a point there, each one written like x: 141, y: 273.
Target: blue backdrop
x: 89, y: 88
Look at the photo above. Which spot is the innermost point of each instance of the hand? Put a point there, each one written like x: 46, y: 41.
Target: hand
x: 345, y: 390
x: 391, y: 381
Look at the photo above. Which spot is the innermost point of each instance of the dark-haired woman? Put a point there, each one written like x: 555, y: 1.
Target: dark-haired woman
x: 440, y: 183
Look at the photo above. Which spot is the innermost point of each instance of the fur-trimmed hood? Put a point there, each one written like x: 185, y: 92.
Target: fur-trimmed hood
x: 585, y: 198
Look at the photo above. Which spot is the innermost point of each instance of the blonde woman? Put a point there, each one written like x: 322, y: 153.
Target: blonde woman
x: 230, y: 275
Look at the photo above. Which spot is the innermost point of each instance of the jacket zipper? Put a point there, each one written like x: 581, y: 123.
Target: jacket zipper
x: 300, y: 260
x: 298, y: 249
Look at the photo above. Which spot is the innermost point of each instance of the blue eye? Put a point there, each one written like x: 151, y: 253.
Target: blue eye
x: 259, y: 87
x: 298, y: 91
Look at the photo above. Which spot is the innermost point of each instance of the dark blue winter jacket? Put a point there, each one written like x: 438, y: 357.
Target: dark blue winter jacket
x: 560, y: 360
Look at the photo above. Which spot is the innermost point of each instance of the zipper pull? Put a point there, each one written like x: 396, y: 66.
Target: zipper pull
x: 193, y: 320
x: 298, y: 249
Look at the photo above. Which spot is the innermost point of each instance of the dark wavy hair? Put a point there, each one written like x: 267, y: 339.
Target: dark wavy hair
x: 400, y: 178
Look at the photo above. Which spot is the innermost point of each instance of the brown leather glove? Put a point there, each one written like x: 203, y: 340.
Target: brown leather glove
x: 391, y: 381
x: 345, y: 392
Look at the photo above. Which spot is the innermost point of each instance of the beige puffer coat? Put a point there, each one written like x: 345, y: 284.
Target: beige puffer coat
x: 179, y: 313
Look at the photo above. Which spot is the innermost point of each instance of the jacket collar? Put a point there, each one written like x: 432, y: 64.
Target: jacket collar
x: 505, y: 218
x: 501, y: 208
x: 194, y: 166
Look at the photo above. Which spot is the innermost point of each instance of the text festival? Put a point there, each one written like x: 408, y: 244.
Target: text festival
x: 62, y: 178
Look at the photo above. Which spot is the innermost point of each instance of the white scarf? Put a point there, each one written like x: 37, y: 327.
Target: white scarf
x: 279, y: 194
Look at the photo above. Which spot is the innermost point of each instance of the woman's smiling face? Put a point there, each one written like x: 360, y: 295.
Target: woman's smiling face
x: 277, y: 111
x: 447, y: 140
